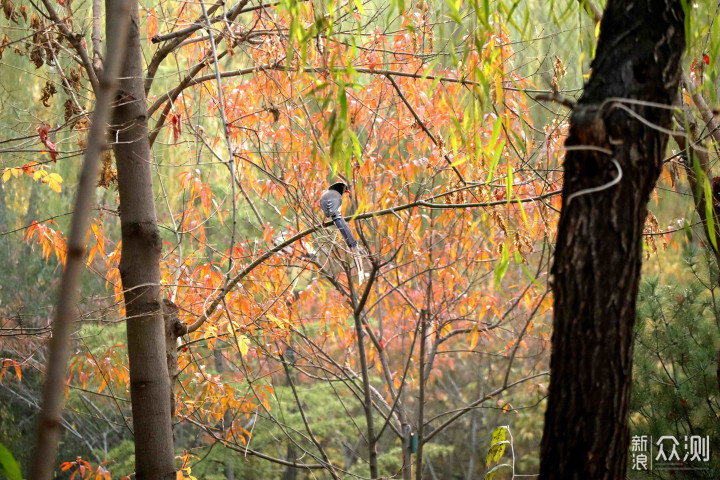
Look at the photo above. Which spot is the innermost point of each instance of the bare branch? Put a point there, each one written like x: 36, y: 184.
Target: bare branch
x: 76, y: 41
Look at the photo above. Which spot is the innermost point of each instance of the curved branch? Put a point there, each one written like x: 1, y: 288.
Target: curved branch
x: 462, y: 411
x: 424, y: 128
x: 168, y: 48
x: 388, y: 211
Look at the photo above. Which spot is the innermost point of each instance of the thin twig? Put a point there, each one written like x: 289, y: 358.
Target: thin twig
x: 76, y: 41
x: 388, y: 211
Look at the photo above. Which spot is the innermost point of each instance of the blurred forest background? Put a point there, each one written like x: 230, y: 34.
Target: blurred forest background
x: 447, y: 121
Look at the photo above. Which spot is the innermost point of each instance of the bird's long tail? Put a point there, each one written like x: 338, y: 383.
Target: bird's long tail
x: 357, y: 256
x: 345, y: 231
x: 352, y: 243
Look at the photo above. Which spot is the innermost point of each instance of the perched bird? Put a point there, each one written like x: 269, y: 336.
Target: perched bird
x: 331, y: 205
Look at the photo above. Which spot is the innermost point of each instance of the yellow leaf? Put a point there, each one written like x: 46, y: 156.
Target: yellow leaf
x: 474, y: 338
x: 54, y: 180
x: 277, y: 321
x: 446, y: 329
x: 243, y: 345
x: 6, y: 175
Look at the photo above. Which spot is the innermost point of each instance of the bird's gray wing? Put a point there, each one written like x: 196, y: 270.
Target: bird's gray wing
x: 330, y: 203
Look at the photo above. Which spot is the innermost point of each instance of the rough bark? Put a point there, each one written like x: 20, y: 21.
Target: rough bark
x: 139, y: 265
x: 599, y: 247
x: 174, y: 329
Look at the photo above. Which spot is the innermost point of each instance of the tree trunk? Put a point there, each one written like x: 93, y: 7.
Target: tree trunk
x: 140, y: 264
x: 599, y: 247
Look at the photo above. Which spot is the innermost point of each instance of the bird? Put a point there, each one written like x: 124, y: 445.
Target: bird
x: 331, y: 205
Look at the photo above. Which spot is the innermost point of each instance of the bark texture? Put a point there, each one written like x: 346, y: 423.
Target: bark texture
x: 599, y: 247
x: 139, y: 265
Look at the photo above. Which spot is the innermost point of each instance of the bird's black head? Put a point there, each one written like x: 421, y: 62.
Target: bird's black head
x: 339, y: 187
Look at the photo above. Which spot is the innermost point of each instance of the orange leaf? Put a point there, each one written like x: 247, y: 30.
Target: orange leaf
x: 152, y: 25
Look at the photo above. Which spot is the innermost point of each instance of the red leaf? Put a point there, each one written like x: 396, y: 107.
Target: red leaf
x: 372, y: 62
x: 51, y: 146
x: 176, y: 126
x: 706, y: 59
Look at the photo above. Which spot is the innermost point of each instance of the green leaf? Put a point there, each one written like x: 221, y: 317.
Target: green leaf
x: 500, y: 270
x: 8, y: 466
x: 359, y: 6
x: 498, y: 435
x: 495, y: 160
x: 356, y: 146
x: 518, y: 258
x: 709, y: 212
x: 522, y: 212
x: 688, y: 231
x: 531, y: 277
x: 508, y: 182
x: 491, y: 474
x: 497, y: 128
x: 497, y: 447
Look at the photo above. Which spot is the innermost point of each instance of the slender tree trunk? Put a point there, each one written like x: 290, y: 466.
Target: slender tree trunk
x: 599, y: 247
x: 421, y: 393
x: 50, y: 418
x: 367, y: 404
x: 140, y: 264
x: 406, y: 446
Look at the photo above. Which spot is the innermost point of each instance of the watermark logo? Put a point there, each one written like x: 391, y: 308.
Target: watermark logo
x: 668, y: 453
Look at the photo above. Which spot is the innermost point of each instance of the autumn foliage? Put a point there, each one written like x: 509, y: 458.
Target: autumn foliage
x: 455, y: 186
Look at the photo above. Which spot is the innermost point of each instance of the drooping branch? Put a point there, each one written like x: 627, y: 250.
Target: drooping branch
x: 424, y: 128
x: 189, y: 81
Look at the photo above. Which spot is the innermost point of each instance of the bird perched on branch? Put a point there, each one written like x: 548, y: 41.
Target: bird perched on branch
x: 331, y: 205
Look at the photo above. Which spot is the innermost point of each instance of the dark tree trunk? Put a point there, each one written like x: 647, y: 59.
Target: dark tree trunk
x: 140, y: 264
x: 599, y: 247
